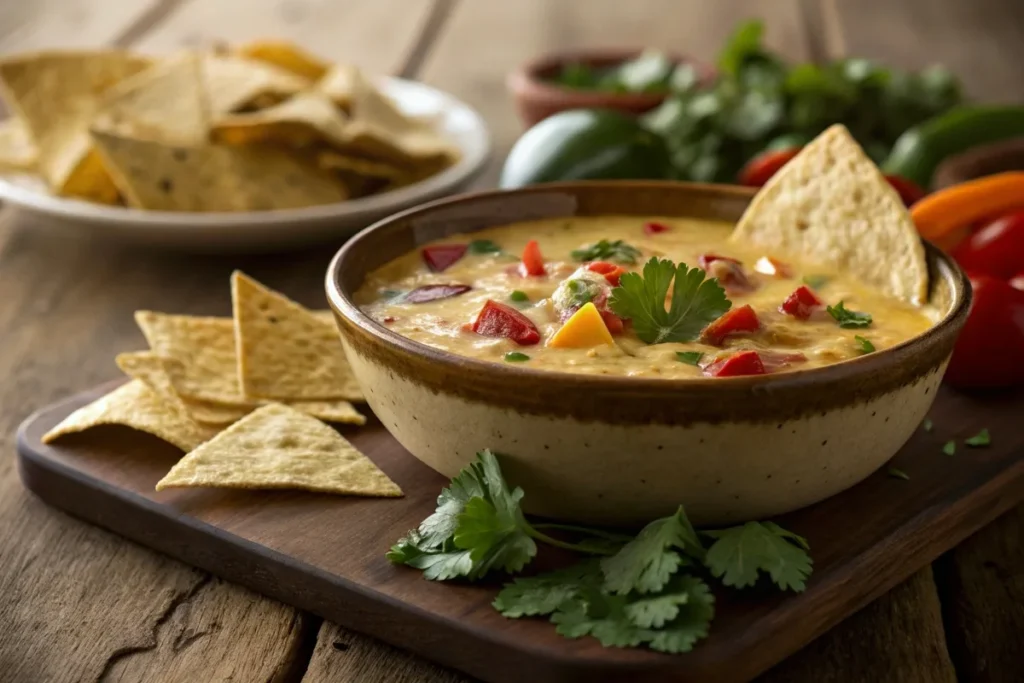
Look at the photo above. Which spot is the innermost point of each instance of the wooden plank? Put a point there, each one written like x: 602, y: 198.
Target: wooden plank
x: 69, y: 23
x: 983, y: 42
x: 375, y: 35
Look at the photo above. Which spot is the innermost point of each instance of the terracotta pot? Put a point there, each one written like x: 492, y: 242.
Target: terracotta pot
x: 537, y: 97
x: 620, y: 450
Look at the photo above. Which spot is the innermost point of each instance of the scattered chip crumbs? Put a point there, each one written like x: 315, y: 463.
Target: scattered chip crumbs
x: 284, y: 350
x: 979, y: 440
x: 949, y: 448
x: 927, y: 425
x: 137, y: 406
x: 277, y: 447
x: 897, y: 473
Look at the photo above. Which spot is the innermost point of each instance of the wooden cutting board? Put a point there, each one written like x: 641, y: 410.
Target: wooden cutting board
x: 325, y: 554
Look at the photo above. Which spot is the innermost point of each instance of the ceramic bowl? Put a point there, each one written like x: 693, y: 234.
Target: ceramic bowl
x: 618, y: 450
x: 537, y: 97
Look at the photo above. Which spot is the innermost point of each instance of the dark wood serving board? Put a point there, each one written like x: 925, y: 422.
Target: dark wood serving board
x: 325, y: 554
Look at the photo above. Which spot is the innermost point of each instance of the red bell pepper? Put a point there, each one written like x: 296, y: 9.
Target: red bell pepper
x: 614, y: 323
x: 439, y: 257
x: 736, y: 321
x: 729, y: 272
x: 533, y: 262
x: 908, y: 190
x: 736, y: 365
x: 997, y: 249
x: 422, y: 295
x: 801, y: 303
x: 611, y: 272
x: 1018, y: 281
x: 990, y: 350
x: 499, y: 320
x: 761, y: 168
x: 653, y: 228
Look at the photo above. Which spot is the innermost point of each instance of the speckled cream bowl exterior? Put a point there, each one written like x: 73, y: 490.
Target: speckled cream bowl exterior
x: 621, y: 451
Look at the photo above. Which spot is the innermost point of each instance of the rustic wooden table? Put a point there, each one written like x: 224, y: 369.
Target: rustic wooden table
x: 79, y: 604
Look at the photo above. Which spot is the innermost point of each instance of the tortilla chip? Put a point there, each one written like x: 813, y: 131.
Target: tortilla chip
x: 17, y: 150
x: 335, y: 161
x: 831, y: 204
x: 57, y: 94
x: 341, y: 412
x: 287, y: 56
x: 233, y: 83
x: 277, y: 447
x: 285, y: 351
x: 301, y: 121
x: 165, y: 103
x: 137, y: 406
x: 339, y: 84
x: 154, y: 176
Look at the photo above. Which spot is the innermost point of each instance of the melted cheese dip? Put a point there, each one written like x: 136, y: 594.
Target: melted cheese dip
x: 443, y: 323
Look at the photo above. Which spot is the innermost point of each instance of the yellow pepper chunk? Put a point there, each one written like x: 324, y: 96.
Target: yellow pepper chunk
x: 582, y: 331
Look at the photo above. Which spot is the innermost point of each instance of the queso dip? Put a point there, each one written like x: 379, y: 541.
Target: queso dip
x: 547, y: 295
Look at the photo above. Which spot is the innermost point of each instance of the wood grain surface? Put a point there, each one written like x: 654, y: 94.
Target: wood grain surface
x: 73, y: 595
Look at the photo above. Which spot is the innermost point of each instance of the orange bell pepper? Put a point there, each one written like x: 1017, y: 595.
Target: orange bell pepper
x: 941, y: 213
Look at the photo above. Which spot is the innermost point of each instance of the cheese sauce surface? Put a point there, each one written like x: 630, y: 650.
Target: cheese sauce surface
x: 784, y: 342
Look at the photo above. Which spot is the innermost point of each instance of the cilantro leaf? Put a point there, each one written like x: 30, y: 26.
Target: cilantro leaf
x: 646, y: 563
x: 927, y: 425
x: 897, y: 473
x: 815, y: 281
x: 979, y: 440
x: 617, y: 251
x: 864, y: 344
x: 484, y: 247
x: 654, y: 611
x: 739, y: 553
x: 545, y: 593
x: 696, y: 301
x: 847, y: 318
x: 949, y: 448
x: 689, y: 357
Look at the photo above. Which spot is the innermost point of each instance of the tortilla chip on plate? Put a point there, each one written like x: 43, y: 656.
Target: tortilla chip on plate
x: 831, y: 204
x: 165, y: 103
x: 155, y: 176
x: 287, y: 56
x: 234, y: 83
x: 339, y: 84
x: 17, y: 150
x: 277, y: 447
x: 368, y: 168
x: 56, y: 95
x: 335, y: 410
x: 285, y: 351
x: 300, y: 121
x: 137, y: 406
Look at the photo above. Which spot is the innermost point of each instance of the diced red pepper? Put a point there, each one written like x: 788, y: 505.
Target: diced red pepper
x: 736, y: 365
x: 775, y: 360
x: 422, y: 295
x: 499, y: 320
x: 439, y: 257
x: 611, y: 272
x: 653, y: 228
x: 612, y: 322
x: 761, y: 168
x: 766, y: 265
x: 801, y: 303
x: 533, y: 262
x: 729, y: 272
x: 736, y: 321
x: 388, y: 319
x: 705, y: 260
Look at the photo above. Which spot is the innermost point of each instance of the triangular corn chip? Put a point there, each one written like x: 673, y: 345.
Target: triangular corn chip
x: 287, y: 56
x: 234, y: 83
x: 17, y: 150
x: 832, y: 205
x: 285, y: 351
x: 137, y: 406
x: 277, y: 447
x: 300, y: 121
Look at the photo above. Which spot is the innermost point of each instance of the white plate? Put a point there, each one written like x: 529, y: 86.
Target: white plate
x: 268, y: 230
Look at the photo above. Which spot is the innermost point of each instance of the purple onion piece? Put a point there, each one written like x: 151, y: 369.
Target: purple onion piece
x: 422, y: 295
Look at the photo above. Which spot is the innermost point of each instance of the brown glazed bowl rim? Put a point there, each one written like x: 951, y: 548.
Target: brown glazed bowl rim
x: 836, y: 375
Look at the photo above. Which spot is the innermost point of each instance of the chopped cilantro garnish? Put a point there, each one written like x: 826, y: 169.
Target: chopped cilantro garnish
x: 897, y: 473
x: 391, y: 294
x: 949, y: 448
x: 516, y: 357
x: 739, y: 553
x: 484, y: 247
x: 847, y: 318
x: 979, y: 440
x: 519, y: 296
x: 689, y: 357
x: 927, y: 424
x: 696, y: 301
x: 815, y: 281
x: 617, y: 251
x: 863, y: 344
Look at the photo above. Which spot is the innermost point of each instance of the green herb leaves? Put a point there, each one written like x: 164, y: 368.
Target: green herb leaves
x: 696, y: 301
x: 979, y: 440
x: 616, y: 251
x: 484, y: 247
x: 516, y: 357
x: 740, y: 553
x: 949, y: 448
x: 864, y: 345
x: 848, y: 319
x: 646, y: 563
x: 689, y: 357
x: 815, y: 281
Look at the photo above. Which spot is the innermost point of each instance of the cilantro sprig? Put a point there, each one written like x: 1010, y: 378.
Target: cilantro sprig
x: 848, y: 319
x: 617, y: 251
x: 696, y: 301
x: 648, y: 590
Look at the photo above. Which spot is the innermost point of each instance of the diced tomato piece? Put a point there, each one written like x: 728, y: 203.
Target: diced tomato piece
x: 775, y: 360
x: 801, y: 303
x: 499, y: 320
x: 422, y: 295
x: 729, y: 272
x: 612, y: 322
x: 388, y: 319
x: 439, y: 257
x: 737, y: 365
x: 766, y: 265
x: 736, y: 321
x: 653, y: 228
x: 533, y: 262
x: 611, y: 272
